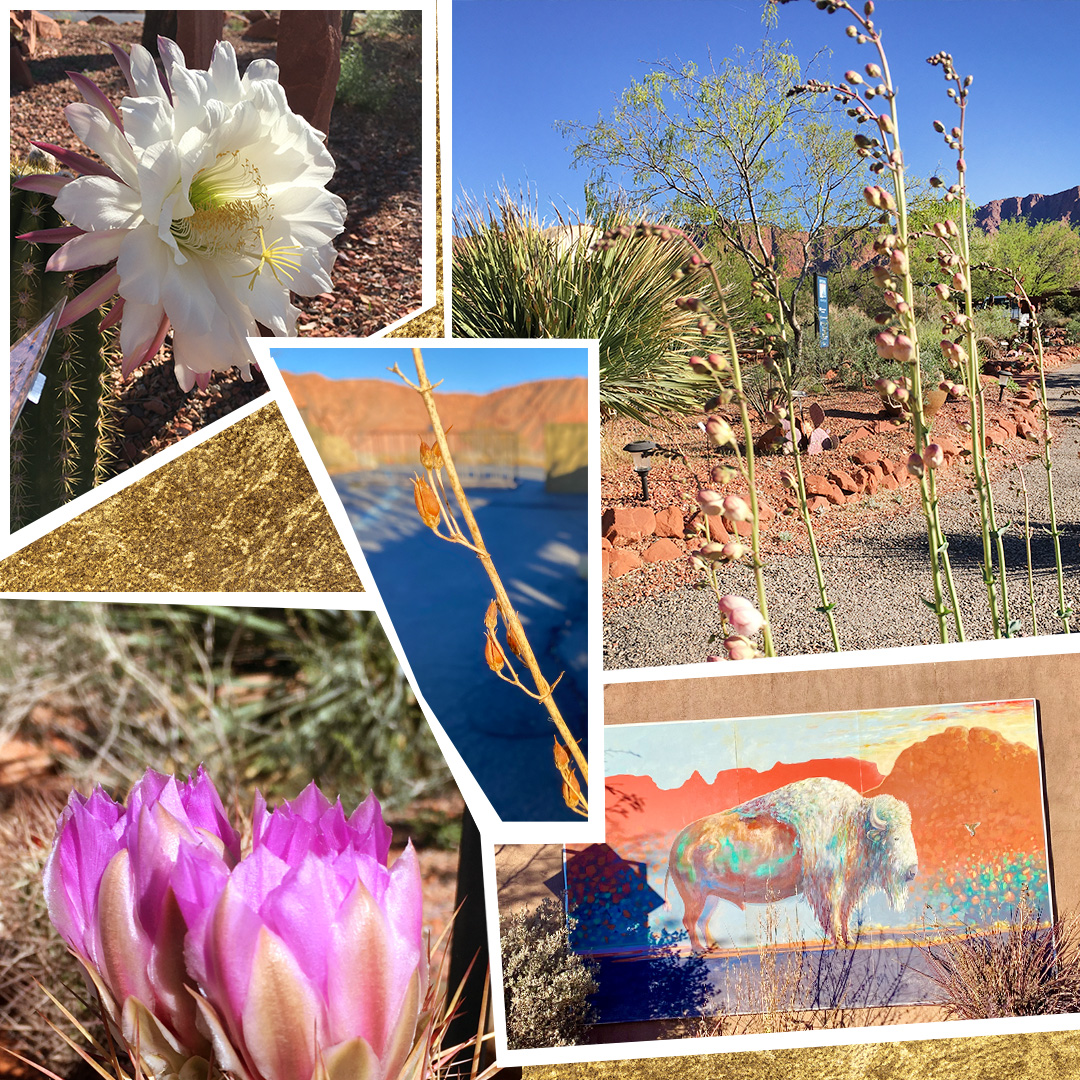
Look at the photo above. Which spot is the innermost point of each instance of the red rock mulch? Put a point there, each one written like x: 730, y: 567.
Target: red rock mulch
x: 865, y: 473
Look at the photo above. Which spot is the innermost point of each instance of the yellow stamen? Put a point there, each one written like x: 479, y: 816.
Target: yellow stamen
x: 276, y: 258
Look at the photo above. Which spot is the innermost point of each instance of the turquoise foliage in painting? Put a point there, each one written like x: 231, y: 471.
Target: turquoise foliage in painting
x: 986, y: 892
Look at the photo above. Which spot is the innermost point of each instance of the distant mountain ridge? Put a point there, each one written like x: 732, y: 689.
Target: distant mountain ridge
x: 1034, y: 209
x: 341, y: 411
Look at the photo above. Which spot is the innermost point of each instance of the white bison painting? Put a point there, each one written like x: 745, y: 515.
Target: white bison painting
x: 805, y: 858
x: 817, y: 837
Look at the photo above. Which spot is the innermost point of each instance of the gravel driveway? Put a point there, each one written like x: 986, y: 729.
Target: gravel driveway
x: 879, y: 579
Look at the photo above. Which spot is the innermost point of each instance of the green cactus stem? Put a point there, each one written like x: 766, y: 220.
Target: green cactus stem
x: 60, y: 444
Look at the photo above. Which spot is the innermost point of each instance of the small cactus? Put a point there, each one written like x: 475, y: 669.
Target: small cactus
x: 60, y: 444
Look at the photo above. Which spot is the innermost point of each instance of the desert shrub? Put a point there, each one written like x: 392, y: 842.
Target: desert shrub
x: 851, y: 353
x: 267, y: 696
x: 995, y: 322
x: 1028, y: 968
x: 1072, y: 331
x: 512, y: 281
x: 547, y: 985
x: 359, y: 84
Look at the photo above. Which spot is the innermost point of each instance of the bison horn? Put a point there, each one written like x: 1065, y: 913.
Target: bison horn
x: 877, y: 822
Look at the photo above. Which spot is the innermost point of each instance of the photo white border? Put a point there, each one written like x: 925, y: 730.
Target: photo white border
x: 492, y: 828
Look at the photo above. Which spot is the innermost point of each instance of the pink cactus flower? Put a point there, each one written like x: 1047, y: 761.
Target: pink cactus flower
x: 108, y: 887
x: 308, y: 954
x: 741, y: 614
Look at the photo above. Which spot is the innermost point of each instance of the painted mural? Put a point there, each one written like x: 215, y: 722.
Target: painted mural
x: 849, y: 838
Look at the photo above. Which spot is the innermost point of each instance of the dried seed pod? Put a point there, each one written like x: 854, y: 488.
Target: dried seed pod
x: 427, y: 504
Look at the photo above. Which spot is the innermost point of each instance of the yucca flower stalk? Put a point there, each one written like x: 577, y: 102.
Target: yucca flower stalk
x: 707, y: 326
x: 1064, y: 612
x: 954, y: 259
x: 899, y: 341
x: 209, y: 208
x: 770, y: 287
x: 435, y: 510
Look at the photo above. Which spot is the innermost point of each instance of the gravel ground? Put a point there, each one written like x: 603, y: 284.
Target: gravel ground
x: 879, y: 575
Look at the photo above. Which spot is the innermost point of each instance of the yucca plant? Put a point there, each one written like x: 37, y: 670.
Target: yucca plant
x: 515, y: 279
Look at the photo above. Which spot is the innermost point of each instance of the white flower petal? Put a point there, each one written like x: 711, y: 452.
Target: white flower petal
x: 159, y: 177
x: 138, y: 328
x: 101, y: 135
x: 146, y: 121
x: 90, y: 249
x: 98, y: 202
x: 224, y: 77
x: 260, y: 70
x: 143, y: 264
x: 310, y: 217
x: 144, y: 74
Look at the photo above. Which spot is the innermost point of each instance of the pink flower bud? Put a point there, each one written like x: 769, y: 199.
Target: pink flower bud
x: 898, y: 262
x: 741, y: 614
x: 886, y: 343
x: 722, y: 474
x: 718, y: 432
x: 740, y: 648
x: 878, y: 198
x: 711, y: 502
x: 933, y: 456
x: 904, y: 349
x: 711, y: 552
x: 943, y: 291
x: 915, y: 465
x: 736, y: 509
x: 732, y: 551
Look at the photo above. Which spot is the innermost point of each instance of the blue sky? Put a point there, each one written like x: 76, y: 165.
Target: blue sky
x: 519, y: 66
x: 463, y: 370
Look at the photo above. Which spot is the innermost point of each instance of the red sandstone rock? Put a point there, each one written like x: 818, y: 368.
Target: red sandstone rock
x: 670, y: 522
x: 662, y: 550
x: 865, y: 457
x: 843, y: 480
x: 262, y: 30
x: 309, y: 56
x: 857, y: 435
x: 622, y: 562
x: 623, y: 524
x: 817, y: 485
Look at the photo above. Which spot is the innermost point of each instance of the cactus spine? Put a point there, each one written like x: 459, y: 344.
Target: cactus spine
x: 60, y: 446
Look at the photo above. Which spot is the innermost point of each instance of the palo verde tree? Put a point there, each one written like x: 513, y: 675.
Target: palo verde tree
x: 729, y: 152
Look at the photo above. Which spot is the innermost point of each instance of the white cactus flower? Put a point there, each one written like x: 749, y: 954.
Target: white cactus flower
x: 212, y: 203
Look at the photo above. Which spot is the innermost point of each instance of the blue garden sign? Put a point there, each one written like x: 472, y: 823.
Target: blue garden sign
x: 821, y: 286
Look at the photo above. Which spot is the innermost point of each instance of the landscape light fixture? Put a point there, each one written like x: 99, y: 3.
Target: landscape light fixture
x: 642, y: 452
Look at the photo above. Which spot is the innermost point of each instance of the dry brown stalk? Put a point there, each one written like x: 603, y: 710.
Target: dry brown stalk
x: 572, y: 793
